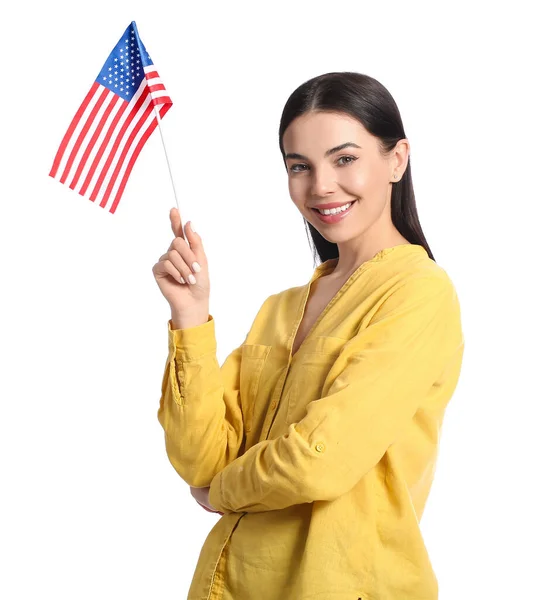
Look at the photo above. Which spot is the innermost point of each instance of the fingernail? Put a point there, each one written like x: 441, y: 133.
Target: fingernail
x: 191, y: 278
x: 192, y: 228
x: 196, y: 267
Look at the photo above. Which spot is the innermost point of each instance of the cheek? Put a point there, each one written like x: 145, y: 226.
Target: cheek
x: 358, y: 179
x: 297, y: 190
x: 360, y: 182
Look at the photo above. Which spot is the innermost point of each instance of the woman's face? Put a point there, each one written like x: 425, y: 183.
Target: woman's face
x: 354, y: 173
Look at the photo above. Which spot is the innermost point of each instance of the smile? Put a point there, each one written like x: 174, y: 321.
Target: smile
x: 341, y: 213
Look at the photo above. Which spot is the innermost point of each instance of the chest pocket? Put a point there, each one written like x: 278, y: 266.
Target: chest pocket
x: 309, y: 370
x: 253, y: 358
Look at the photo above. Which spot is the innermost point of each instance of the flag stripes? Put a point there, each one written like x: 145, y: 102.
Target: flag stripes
x: 107, y: 133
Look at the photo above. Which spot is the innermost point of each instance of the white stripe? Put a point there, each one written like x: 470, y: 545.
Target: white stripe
x: 155, y: 81
x: 150, y: 68
x: 135, y: 143
x: 97, y: 145
x: 87, y: 138
x: 160, y: 94
x: 111, y: 142
x: 146, y: 103
x: 76, y: 133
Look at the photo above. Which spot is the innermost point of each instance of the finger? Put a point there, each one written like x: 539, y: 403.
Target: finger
x: 170, y: 268
x: 175, y: 219
x: 195, y: 242
x: 163, y: 267
x: 188, y: 255
x: 192, y: 237
x: 175, y: 257
x: 206, y: 508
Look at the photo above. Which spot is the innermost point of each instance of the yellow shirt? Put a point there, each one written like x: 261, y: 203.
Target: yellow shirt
x: 321, y: 462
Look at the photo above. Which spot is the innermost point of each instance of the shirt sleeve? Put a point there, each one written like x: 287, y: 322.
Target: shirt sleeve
x: 373, y: 390
x: 200, y: 406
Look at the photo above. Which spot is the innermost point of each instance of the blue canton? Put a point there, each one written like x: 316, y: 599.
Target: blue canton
x: 123, y: 71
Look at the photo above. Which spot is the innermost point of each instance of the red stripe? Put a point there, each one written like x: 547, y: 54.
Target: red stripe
x: 151, y: 75
x: 157, y: 87
x: 162, y: 100
x: 100, y: 151
x: 93, y: 140
x: 83, y: 133
x: 134, y: 156
x: 71, y: 129
x: 121, y: 133
x: 147, y: 113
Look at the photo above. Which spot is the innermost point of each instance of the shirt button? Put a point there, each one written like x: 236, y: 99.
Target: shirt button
x: 273, y: 405
x: 320, y: 447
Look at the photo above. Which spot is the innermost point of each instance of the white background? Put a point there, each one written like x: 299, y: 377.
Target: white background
x: 91, y: 507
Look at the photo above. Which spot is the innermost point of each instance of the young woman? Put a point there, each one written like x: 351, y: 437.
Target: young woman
x: 317, y: 438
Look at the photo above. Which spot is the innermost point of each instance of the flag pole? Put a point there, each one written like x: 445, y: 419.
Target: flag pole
x: 169, y: 167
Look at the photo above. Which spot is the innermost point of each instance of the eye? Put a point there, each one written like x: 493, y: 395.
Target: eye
x: 293, y: 170
x: 350, y: 159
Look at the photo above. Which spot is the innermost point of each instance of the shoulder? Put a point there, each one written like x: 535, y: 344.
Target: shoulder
x: 428, y: 292
x: 422, y: 277
x: 420, y: 292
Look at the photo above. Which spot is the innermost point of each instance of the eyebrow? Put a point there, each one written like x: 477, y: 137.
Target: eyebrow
x: 328, y: 152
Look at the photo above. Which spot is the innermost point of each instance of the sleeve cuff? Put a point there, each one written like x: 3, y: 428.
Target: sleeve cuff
x: 193, y: 342
x: 215, y: 495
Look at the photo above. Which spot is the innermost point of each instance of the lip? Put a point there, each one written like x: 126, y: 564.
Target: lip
x: 334, y: 218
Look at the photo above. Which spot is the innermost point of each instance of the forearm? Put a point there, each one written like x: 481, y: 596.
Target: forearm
x: 199, y: 409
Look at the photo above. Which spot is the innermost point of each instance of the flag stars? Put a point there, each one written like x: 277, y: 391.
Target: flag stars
x: 124, y: 71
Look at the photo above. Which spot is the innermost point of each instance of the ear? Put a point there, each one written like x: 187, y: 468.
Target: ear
x: 399, y: 159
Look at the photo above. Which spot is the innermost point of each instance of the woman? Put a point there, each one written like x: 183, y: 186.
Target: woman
x: 317, y: 438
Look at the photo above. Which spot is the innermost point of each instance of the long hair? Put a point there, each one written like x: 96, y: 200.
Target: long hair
x: 368, y: 101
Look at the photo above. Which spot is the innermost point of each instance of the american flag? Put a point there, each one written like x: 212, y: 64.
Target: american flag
x: 113, y: 123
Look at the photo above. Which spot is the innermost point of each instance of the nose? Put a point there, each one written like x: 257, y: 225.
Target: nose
x: 323, y: 181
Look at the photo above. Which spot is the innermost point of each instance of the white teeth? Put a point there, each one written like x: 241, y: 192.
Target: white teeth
x: 334, y: 211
